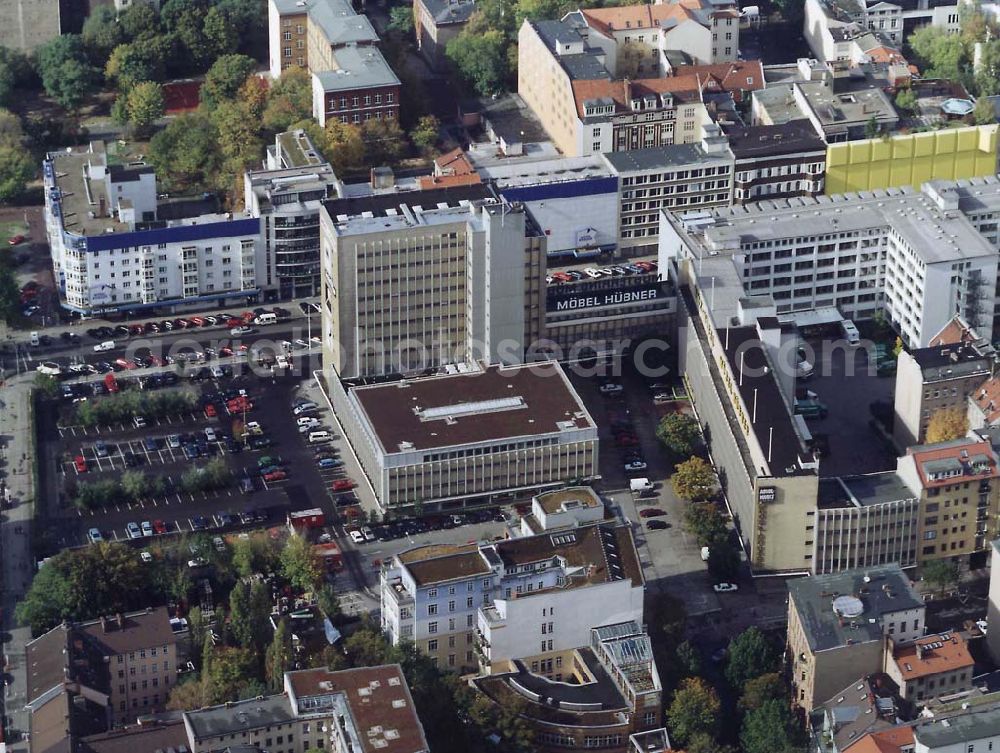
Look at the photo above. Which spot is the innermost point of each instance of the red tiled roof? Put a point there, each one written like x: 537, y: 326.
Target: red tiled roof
x: 886, y: 741
x: 974, y: 449
x: 454, y: 162
x: 932, y: 655
x: 428, y: 182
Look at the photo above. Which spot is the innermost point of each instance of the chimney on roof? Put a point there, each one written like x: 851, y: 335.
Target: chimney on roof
x: 104, y: 624
x: 920, y: 651
x: 121, y: 620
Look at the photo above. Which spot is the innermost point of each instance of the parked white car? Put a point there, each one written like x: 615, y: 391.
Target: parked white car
x: 106, y: 345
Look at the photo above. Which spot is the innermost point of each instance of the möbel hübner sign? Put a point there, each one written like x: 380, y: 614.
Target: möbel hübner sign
x: 603, y: 298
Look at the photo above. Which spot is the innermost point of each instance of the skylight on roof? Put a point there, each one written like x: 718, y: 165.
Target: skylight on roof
x: 471, y: 409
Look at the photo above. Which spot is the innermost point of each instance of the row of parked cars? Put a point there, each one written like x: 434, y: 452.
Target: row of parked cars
x: 257, y: 316
x: 594, y: 273
x: 622, y: 430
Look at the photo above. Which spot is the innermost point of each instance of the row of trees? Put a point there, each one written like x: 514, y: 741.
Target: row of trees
x: 124, y: 406
x: 751, y: 672
x: 135, y: 486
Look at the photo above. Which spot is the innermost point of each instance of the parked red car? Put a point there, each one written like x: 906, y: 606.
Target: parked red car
x: 234, y: 322
x: 159, y: 527
x: 16, y: 239
x: 81, y: 464
x: 239, y: 405
x: 275, y: 475
x: 652, y: 512
x: 343, y: 484
x: 210, y: 411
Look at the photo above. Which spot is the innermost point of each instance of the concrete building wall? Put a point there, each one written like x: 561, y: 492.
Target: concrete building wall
x: 909, y: 423
x: 557, y: 619
x: 993, y: 603
x: 546, y: 89
x: 28, y: 24
x: 850, y: 537
x: 287, y: 40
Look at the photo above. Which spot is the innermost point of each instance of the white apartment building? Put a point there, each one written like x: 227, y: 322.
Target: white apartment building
x: 919, y: 255
x: 524, y: 598
x: 111, y: 250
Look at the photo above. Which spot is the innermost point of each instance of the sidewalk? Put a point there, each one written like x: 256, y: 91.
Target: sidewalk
x: 15, y: 542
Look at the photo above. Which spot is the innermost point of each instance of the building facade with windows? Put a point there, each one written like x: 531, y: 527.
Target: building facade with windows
x: 838, y: 626
x: 287, y: 196
x: 516, y: 429
x: 339, y: 48
x: 915, y: 254
x: 113, y: 248
x: 777, y: 161
x: 930, y: 667
x: 959, y: 487
x: 532, y: 599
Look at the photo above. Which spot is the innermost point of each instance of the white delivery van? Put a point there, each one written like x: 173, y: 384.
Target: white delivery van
x: 851, y: 333
x: 321, y: 435
x: 268, y: 318
x: 640, y: 485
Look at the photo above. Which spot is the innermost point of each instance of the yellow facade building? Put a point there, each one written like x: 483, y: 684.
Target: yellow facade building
x: 911, y: 159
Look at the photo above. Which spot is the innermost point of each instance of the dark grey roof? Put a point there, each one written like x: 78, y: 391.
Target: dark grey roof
x: 774, y: 140
x: 585, y: 65
x: 877, y: 488
x: 672, y: 155
x: 360, y: 68
x: 447, y: 12
x: 951, y: 361
x: 119, y: 174
x: 974, y: 725
x: 888, y: 590
x: 233, y: 718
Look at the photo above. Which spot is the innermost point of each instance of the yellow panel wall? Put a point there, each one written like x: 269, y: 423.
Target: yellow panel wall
x: 911, y: 159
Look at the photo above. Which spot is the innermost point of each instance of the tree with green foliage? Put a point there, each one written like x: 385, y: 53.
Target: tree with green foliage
x: 289, y: 100
x: 767, y: 729
x: 694, y: 479
x: 906, y: 101
x: 705, y: 523
x: 16, y: 168
x: 249, y: 613
x: 328, y: 601
x: 279, y: 656
x: 940, y: 574
x: 760, y: 690
x: 81, y: 584
x: 940, y: 53
x: 679, y: 433
x: 705, y: 743
x: 220, y: 32
x: 984, y: 113
x: 299, y: 564
x: 239, y: 138
x: 130, y: 64
x: 479, y: 60
x: 384, y: 141
x: 102, y: 33
x: 694, y: 710
x: 425, y: 134
x: 145, y: 106
x: 186, y: 153
x: 339, y: 142
x: 139, y: 20
x: 224, y: 79
x: 66, y: 73
x: 10, y: 294
x: 401, y: 20
x: 750, y: 656
x: 225, y: 672
x: 689, y: 658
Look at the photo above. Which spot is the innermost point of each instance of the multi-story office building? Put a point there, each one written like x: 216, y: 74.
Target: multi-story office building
x: 107, y: 669
x: 930, y: 667
x: 959, y: 491
x: 404, y: 280
x: 777, y: 161
x: 838, y: 625
x: 942, y: 376
x: 474, y: 433
x: 915, y: 254
x: 680, y: 178
x: 112, y: 250
x: 287, y: 196
x: 532, y: 599
x: 864, y: 521
x: 364, y: 710
x: 351, y: 80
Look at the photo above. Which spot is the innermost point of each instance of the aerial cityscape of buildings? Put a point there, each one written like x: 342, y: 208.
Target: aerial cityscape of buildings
x: 454, y: 376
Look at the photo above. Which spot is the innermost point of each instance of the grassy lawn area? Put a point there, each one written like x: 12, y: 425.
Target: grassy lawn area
x: 10, y: 229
